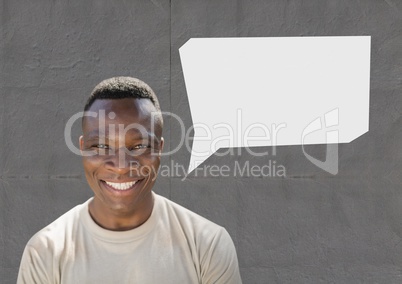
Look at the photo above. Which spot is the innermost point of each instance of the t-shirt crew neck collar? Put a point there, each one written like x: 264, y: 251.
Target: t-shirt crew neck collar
x: 118, y: 236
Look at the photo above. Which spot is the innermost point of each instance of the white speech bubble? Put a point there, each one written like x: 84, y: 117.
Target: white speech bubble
x: 247, y: 92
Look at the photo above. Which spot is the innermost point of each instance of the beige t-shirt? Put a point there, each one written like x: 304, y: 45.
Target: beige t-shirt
x: 174, y: 246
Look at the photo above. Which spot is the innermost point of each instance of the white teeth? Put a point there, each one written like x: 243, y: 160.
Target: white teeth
x: 122, y: 185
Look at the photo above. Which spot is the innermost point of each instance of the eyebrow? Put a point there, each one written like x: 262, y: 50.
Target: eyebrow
x: 98, y: 132
x: 95, y: 135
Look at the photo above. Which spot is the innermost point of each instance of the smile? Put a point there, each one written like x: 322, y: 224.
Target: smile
x: 121, y: 185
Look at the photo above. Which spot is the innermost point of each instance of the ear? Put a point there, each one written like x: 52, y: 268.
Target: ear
x: 161, y: 145
x: 81, y: 140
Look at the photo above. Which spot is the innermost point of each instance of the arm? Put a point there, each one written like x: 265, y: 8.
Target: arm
x: 219, y: 264
x: 32, y: 269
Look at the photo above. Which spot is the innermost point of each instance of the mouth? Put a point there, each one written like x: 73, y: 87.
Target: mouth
x: 121, y: 186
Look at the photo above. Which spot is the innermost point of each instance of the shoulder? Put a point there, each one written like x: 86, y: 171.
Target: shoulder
x: 53, y: 236
x: 212, y: 247
x: 200, y: 233
x: 41, y: 256
x: 185, y: 217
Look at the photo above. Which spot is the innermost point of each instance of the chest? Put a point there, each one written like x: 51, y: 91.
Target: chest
x: 154, y: 259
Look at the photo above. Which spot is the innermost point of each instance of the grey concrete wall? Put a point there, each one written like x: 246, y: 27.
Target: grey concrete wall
x: 310, y: 227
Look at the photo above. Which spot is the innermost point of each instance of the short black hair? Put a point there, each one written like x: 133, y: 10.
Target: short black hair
x: 121, y: 88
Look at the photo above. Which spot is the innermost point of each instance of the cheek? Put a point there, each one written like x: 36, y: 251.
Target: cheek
x: 91, y: 164
x: 155, y: 161
x: 149, y: 165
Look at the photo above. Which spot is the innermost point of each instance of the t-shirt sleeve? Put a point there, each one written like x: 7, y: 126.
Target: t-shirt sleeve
x: 32, y: 269
x: 219, y: 264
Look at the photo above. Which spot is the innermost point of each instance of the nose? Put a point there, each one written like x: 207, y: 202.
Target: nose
x: 121, y: 162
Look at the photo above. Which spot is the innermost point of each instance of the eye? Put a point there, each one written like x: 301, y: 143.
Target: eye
x: 138, y: 147
x: 141, y: 146
x: 101, y: 146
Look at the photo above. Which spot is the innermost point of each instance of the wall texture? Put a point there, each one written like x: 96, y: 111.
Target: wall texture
x: 310, y: 227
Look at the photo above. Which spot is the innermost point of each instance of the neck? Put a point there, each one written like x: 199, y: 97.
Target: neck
x: 121, y: 220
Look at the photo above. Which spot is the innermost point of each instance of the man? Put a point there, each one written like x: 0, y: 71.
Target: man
x: 126, y: 233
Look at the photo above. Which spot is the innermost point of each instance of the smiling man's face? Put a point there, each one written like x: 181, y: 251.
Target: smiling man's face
x: 124, y: 154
